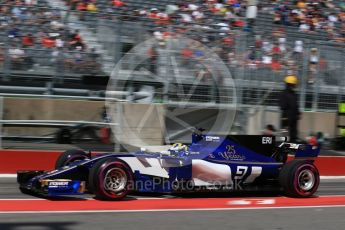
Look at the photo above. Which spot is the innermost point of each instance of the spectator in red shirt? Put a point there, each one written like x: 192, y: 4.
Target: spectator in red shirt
x: 276, y: 49
x: 27, y: 40
x: 228, y: 41
x: 118, y: 3
x: 82, y: 6
x: 154, y: 14
x: 186, y: 52
x: 187, y: 55
x: 162, y: 19
x: 275, y: 65
x: 48, y: 42
x: 238, y: 23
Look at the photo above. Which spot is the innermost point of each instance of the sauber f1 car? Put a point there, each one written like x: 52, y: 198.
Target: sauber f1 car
x: 211, y: 163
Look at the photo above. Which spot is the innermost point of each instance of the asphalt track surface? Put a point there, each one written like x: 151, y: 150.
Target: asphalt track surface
x: 316, y: 218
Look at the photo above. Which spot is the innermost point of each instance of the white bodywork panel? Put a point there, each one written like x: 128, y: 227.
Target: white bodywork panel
x: 256, y: 172
x: 206, y: 173
x: 156, y: 148
x: 148, y: 166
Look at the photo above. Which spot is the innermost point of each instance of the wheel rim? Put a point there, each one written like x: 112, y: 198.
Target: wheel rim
x: 306, y: 180
x: 115, y: 180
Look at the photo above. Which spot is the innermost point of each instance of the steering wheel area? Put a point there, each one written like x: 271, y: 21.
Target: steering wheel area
x: 179, y: 150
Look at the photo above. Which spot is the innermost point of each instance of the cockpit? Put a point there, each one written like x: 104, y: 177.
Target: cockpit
x: 175, y: 150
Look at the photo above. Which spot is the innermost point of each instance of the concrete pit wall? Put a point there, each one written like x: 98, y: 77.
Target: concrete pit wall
x: 141, y: 124
x: 48, y: 109
x: 310, y: 122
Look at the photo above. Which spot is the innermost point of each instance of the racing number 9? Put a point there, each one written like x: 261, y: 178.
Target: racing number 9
x: 241, y: 172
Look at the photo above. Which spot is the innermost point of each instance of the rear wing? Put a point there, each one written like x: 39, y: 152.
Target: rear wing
x: 302, y: 150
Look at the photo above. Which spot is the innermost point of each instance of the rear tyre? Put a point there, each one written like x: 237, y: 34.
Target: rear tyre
x: 110, y: 179
x: 69, y: 157
x: 299, y: 178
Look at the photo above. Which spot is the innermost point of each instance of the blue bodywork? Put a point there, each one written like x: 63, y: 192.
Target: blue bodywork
x: 247, y: 161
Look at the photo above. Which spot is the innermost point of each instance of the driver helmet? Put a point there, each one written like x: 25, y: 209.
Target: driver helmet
x: 177, y: 148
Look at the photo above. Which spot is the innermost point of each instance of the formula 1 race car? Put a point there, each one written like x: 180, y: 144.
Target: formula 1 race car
x: 211, y: 163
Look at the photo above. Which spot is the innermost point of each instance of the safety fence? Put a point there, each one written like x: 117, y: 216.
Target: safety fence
x: 187, y: 63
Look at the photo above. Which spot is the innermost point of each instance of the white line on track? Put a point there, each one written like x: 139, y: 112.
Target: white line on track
x: 171, y: 210
x: 331, y: 177
x: 8, y: 175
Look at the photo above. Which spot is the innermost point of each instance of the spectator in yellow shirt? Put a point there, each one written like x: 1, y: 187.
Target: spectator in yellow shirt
x: 301, y: 4
x: 91, y: 7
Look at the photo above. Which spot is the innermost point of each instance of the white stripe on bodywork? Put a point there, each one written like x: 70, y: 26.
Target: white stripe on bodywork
x: 205, y: 173
x: 153, y: 166
x: 256, y: 172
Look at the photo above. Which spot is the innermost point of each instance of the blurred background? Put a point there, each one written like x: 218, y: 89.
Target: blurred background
x: 216, y: 64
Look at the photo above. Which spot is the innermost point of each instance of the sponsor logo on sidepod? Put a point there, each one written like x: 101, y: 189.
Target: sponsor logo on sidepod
x: 212, y: 138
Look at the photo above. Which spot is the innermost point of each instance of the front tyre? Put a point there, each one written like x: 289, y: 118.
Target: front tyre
x: 299, y: 178
x: 69, y: 157
x: 110, y: 179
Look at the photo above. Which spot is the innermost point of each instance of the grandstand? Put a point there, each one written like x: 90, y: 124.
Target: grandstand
x: 66, y: 47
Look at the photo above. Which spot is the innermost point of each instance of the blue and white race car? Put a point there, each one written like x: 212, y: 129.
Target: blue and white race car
x: 211, y: 163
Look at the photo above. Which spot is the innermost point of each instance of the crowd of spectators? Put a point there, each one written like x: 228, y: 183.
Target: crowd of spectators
x: 312, y: 16
x: 209, y: 21
x: 213, y: 22
x: 307, y: 15
x: 34, y: 34
x: 229, y: 13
